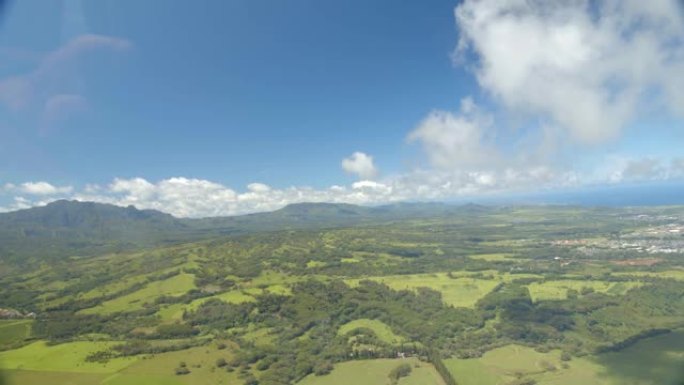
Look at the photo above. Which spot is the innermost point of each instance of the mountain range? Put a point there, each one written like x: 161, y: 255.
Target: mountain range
x: 74, y: 228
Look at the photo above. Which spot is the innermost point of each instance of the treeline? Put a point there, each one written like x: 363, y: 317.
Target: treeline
x: 627, y: 342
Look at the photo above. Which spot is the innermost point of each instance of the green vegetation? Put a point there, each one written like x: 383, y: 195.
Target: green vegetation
x: 373, y: 372
x: 13, y: 332
x: 380, y: 329
x: 174, y: 286
x: 456, y: 291
x: 63, y: 357
x: 494, y: 257
x: 551, y: 290
x: 653, y: 361
x: 339, y: 294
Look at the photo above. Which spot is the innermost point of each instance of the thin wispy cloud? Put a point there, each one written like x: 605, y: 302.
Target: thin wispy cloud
x: 53, y: 90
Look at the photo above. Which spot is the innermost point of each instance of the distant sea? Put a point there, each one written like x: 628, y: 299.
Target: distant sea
x: 654, y: 194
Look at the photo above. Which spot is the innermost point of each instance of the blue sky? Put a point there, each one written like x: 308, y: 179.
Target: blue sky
x: 165, y: 103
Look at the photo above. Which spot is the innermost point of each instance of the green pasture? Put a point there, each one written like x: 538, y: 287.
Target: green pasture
x: 674, y: 274
x: 66, y: 357
x: 14, y: 331
x: 381, y: 330
x: 44, y: 377
x: 552, y: 290
x: 375, y: 372
x: 653, y: 361
x: 459, y: 291
x: 176, y: 285
x: 494, y: 257
x: 159, y: 369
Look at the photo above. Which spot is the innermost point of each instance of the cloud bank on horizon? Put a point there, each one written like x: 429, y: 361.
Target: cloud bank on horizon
x: 578, y: 73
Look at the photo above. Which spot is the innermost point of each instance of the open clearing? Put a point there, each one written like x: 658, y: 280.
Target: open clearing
x: 375, y: 372
x: 550, y: 290
x: 159, y: 369
x: 35, y: 377
x: 176, y: 285
x: 65, y: 364
x: 674, y: 274
x: 506, y: 364
x: 497, y: 257
x: 653, y: 361
x: 457, y: 291
x: 381, y: 330
x: 14, y: 331
x: 67, y: 357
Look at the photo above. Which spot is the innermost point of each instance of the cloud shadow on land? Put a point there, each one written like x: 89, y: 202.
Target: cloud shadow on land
x: 656, y: 360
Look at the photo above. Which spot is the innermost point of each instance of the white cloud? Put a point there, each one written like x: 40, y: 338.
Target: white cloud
x: 582, y: 67
x: 42, y: 188
x: 456, y: 141
x: 258, y: 188
x: 361, y: 165
x: 623, y: 169
x: 187, y: 197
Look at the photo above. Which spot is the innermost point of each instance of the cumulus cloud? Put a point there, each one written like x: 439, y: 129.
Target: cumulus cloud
x: 583, y: 66
x: 188, y: 197
x: 258, y: 188
x: 457, y: 141
x: 361, y: 165
x: 41, y: 188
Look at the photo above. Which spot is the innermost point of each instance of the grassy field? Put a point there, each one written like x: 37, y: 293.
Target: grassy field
x: 13, y: 331
x: 375, y: 372
x: 67, y: 357
x: 176, y: 285
x: 39, y: 377
x: 64, y: 364
x: 506, y: 364
x: 458, y: 291
x: 269, y: 282
x: 175, y: 311
x: 674, y: 274
x: 381, y: 330
x: 113, y: 287
x: 495, y: 257
x: 653, y: 361
x: 159, y: 369
x: 550, y: 290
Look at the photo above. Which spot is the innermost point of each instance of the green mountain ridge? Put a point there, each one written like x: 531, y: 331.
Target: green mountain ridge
x: 74, y: 228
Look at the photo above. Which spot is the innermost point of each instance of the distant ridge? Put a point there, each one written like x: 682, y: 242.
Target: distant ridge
x: 64, y: 228
x: 65, y: 213
x: 73, y: 228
